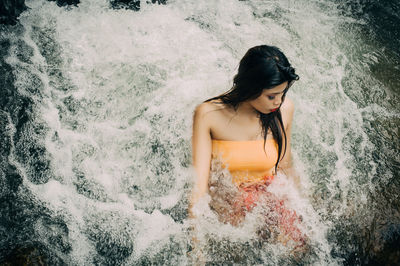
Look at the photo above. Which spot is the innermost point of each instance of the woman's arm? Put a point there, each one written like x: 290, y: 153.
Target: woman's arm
x: 201, y: 156
x: 286, y: 164
x: 201, y: 152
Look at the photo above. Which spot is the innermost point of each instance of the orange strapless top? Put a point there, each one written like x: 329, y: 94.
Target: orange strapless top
x: 247, y: 161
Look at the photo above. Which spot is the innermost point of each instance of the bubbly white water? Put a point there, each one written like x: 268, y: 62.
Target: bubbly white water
x: 119, y: 120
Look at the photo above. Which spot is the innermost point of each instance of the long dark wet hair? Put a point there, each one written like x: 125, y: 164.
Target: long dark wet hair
x: 262, y: 67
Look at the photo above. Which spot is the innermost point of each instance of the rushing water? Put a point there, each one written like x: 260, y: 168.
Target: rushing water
x: 96, y: 123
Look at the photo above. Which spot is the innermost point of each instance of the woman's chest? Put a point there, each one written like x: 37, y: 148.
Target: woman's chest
x: 231, y: 129
x: 246, y: 155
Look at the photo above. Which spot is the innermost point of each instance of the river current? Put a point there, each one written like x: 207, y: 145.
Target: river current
x: 96, y: 114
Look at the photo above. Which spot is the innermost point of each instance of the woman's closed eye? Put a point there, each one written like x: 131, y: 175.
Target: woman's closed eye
x: 272, y: 97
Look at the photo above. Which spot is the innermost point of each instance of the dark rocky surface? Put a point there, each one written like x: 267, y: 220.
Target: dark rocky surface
x: 163, y: 2
x: 20, y: 243
x: 66, y: 2
x: 10, y: 10
x: 133, y: 4
x: 125, y: 4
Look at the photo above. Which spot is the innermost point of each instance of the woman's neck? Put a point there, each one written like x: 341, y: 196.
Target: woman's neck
x: 245, y: 110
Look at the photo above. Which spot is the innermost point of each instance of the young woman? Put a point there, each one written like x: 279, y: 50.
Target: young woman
x: 248, y: 129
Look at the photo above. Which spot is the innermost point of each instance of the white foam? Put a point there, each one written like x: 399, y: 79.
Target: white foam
x: 136, y: 78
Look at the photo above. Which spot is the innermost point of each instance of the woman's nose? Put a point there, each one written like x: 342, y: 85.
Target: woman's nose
x: 278, y: 100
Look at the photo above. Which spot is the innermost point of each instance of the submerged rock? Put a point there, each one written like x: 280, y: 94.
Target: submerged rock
x: 10, y: 10
x: 113, y: 235
x: 386, y: 250
x: 28, y: 255
x: 66, y: 2
x: 158, y: 2
x: 133, y: 4
x: 125, y: 4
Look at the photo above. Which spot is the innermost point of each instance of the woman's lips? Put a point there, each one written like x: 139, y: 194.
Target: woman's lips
x: 273, y: 110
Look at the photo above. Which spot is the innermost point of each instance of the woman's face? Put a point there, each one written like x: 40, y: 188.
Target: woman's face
x: 270, y: 99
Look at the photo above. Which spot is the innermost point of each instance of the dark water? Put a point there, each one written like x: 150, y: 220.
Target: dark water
x: 369, y: 234
x: 379, y: 32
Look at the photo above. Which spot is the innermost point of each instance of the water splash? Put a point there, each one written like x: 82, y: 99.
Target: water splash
x: 102, y: 137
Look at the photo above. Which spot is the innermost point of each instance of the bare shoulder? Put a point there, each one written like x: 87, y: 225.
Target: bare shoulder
x: 287, y: 111
x: 206, y: 108
x: 208, y: 111
x: 287, y: 106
